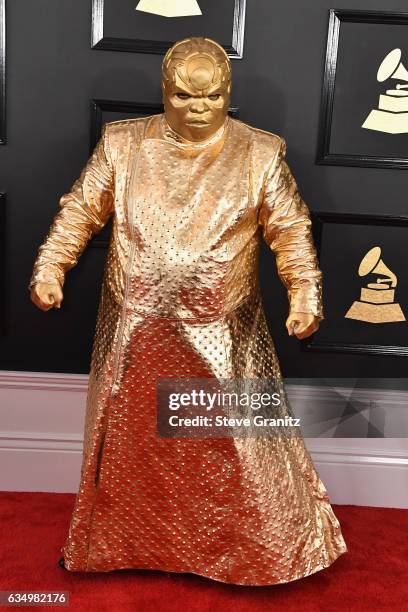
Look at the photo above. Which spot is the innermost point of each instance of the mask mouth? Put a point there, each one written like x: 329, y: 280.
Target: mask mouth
x: 198, y: 119
x: 198, y: 122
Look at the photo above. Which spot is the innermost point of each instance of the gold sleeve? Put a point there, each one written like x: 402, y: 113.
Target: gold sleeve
x: 286, y: 223
x: 84, y: 210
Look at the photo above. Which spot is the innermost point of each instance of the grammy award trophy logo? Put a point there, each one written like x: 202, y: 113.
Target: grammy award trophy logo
x: 170, y: 8
x: 376, y: 304
x: 391, y: 116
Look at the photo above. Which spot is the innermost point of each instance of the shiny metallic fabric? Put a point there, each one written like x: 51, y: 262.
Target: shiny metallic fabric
x: 180, y: 298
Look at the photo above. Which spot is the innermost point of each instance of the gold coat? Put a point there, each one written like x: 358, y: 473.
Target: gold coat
x: 181, y: 298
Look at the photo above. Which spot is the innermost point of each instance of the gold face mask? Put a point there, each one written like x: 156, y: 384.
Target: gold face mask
x: 196, y: 87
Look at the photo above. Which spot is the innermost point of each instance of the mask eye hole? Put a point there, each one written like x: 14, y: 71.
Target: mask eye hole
x: 182, y: 96
x: 214, y: 97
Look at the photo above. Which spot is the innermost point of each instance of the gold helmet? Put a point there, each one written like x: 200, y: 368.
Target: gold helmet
x: 199, y: 63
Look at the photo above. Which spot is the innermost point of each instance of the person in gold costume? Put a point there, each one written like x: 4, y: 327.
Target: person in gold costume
x: 192, y: 192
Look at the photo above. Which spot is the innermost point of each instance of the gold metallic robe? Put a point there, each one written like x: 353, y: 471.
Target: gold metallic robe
x: 181, y: 298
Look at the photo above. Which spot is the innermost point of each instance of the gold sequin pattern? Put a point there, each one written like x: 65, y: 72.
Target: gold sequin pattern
x: 180, y: 298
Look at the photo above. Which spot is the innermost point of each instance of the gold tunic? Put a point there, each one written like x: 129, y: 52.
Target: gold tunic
x: 181, y: 298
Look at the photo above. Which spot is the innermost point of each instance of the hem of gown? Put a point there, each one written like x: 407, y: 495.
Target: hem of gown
x: 216, y: 578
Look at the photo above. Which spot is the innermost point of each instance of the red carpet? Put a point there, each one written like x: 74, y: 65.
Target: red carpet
x: 373, y: 575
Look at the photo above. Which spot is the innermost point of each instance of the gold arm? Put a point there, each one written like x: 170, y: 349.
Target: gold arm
x: 84, y: 211
x: 286, y: 223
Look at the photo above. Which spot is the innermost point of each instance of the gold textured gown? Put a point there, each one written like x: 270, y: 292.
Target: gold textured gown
x: 180, y: 298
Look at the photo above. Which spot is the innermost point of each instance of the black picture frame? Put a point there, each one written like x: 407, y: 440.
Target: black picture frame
x: 3, y: 140
x: 101, y: 42
x: 312, y: 343
x: 324, y: 157
x: 98, y: 106
x: 3, y: 201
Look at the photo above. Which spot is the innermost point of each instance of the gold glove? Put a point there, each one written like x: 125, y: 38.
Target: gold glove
x: 46, y: 295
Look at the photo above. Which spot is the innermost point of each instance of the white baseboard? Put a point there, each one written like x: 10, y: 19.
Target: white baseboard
x: 41, y: 435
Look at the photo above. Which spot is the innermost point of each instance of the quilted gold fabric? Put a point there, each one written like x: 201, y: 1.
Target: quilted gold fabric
x: 181, y: 298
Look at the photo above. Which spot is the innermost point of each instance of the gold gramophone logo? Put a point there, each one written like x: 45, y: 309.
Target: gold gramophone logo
x: 376, y: 304
x: 391, y: 116
x: 170, y: 8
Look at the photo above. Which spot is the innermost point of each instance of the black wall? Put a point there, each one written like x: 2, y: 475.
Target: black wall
x: 52, y: 74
